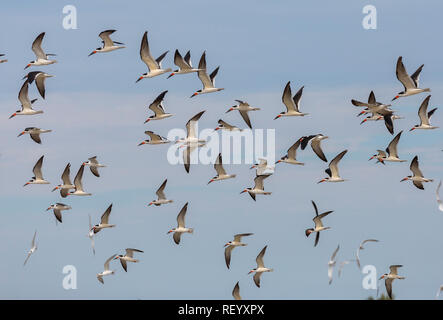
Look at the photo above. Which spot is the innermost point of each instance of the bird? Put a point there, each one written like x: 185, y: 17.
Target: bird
x: 161, y: 198
x: 292, y: 103
x: 42, y: 57
x: 78, y: 186
x: 108, y: 44
x: 154, y: 65
x: 184, y: 64
x: 410, y: 83
x: 180, y: 225
x: 3, y: 60
x: 440, y: 203
x: 33, y: 248
x: 331, y: 263
x: 290, y: 157
x: 104, y: 221
x: 360, y: 247
x: 221, y: 173
x: 424, y: 116
x: 417, y: 177
x: 128, y: 257
x: 57, y: 209
x: 315, y: 139
x: 207, y: 81
x: 236, y: 292
x: 243, y: 108
x: 38, y: 175
x: 260, y: 267
x: 157, y: 107
x: 66, y: 182
x: 232, y: 244
x: 262, y: 168
x: 39, y: 78
x: 106, y: 271
x: 258, y: 187
x: 318, y: 224
x: 440, y: 289
x: 94, y: 165
x: 332, y: 171
x: 34, y: 133
x: 223, y: 125
x: 26, y: 104
x: 91, y: 235
x: 391, y: 150
x: 390, y: 277
x: 155, y: 139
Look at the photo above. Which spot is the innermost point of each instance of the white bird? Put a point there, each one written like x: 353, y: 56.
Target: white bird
x: 236, y: 292
x: 154, y: 65
x: 104, y: 221
x: 78, y: 186
x: 66, y: 182
x: 318, y: 224
x: 91, y: 235
x: 184, y: 64
x: 94, y: 165
x: 243, y: 108
x: 57, y: 209
x: 258, y: 187
x: 34, y: 133
x: 128, y: 257
x: 42, y: 57
x: 391, y: 150
x: 223, y: 125
x: 315, y: 139
x: 417, y: 177
x: 207, y: 81
x: 291, y: 155
x: 108, y: 44
x: 440, y: 203
x: 38, y: 175
x: 440, y: 289
x: 260, y: 267
x: 107, y: 271
x: 3, y: 60
x: 181, y: 225
x: 191, y: 142
x: 157, y: 107
x: 331, y: 263
x: 161, y: 198
x: 332, y: 171
x: 26, y: 104
x: 232, y: 244
x: 410, y: 83
x: 360, y: 247
x: 390, y: 277
x: 262, y: 168
x: 39, y: 78
x: 221, y: 173
x: 33, y: 248
x: 292, y: 103
x: 425, y: 116
x: 155, y: 139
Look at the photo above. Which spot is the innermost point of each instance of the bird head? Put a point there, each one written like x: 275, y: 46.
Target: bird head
x: 309, y: 231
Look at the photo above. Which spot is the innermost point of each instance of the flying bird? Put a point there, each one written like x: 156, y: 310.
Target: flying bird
x: 107, y: 271
x: 34, y: 133
x: 42, y: 57
x: 417, y: 177
x: 390, y: 277
x: 223, y: 125
x: 290, y: 157
x: 232, y: 244
x: 207, y: 81
x: 440, y: 289
x: 318, y: 224
x: 410, y: 83
x: 236, y: 292
x: 440, y: 203
x: 221, y: 173
x: 38, y: 175
x: 332, y: 171
x: 360, y: 247
x: 258, y: 187
x: 157, y: 107
x: 391, y: 151
x: 292, y: 103
x: 161, y: 198
x: 91, y: 235
x: 33, y: 248
x: 260, y: 267
x: 108, y: 44
x: 243, y: 108
x: 154, y: 65
x: 181, y: 225
x: 66, y: 182
x: 331, y: 264
x: 3, y: 60
x: 262, y: 168
x: 315, y: 139
x: 128, y: 257
x: 57, y: 209
x: 184, y: 64
x: 26, y: 104
x: 78, y: 185
x: 94, y: 165
x: 104, y: 221
x: 425, y: 116
x: 39, y: 77
x: 155, y: 139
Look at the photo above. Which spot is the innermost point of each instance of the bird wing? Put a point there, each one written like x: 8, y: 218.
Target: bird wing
x: 36, y: 137
x: 333, y: 165
x: 145, y: 54
x: 403, y: 76
x: 176, y: 237
x: 228, y: 251
x: 292, y: 151
x: 130, y: 252
x: 190, y: 125
x: 58, y: 215
x: 156, y: 105
x: 393, y: 268
x: 124, y: 265
x: 316, y: 147
x: 37, y: 46
x: 287, y: 99
x: 24, y: 98
x: 259, y: 258
x: 414, y: 167
x: 104, y: 35
x: 153, y: 136
x: 94, y: 171
x: 180, y: 62
x: 108, y: 261
x: 388, y: 285
x: 213, y: 75
x: 40, y: 83
x: 160, y: 191
x: 65, y: 175
x: 256, y: 278
x: 236, y: 292
x: 392, y: 147
x: 105, y: 216
x: 315, y: 208
x: 237, y: 237
x: 259, y: 181
x: 422, y: 111
x: 38, y: 168
x: 245, y: 116
x: 78, y: 178
x: 297, y: 98
x: 416, y: 75
x: 335, y: 253
x: 218, y: 166
x: 181, y: 216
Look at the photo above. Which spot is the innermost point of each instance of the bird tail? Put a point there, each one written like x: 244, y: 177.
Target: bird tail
x: 427, y: 90
x: 191, y: 230
x: 267, y: 193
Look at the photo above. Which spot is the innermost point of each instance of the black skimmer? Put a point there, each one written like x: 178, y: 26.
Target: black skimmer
x: 108, y: 43
x: 410, y: 83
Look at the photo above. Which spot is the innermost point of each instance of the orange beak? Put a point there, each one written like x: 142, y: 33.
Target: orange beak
x: 413, y: 128
x: 194, y: 94
x: 13, y: 115
x: 218, y: 128
x: 27, y: 66
x: 150, y: 203
x: 141, y: 143
x: 147, y: 120
x: 322, y: 180
x: 396, y: 97
x: 171, y: 75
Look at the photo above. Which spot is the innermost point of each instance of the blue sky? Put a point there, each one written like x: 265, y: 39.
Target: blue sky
x: 94, y: 107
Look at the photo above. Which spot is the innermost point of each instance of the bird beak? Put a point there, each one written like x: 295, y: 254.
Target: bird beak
x: 150, y: 203
x: 382, y: 277
x: 413, y: 128
x: 210, y: 181
x: 141, y: 143
x: 147, y: 120
x: 55, y: 189
x: 218, y: 128
x: 169, y: 231
x: 243, y: 191
x: 229, y: 110
x: 322, y: 180
x: 371, y: 158
x: 252, y: 167
x: 226, y: 245
x: 363, y: 112
x: 25, y: 184
x: 364, y: 120
x: 48, y: 209
x: 277, y: 117
x: 404, y: 179
x: 250, y: 271
x: 170, y: 75
x: 138, y: 79
x: 13, y: 115
x: 278, y: 161
x: 27, y: 66
x: 194, y: 94
x: 93, y: 52
x: 395, y: 98
x: 22, y: 133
